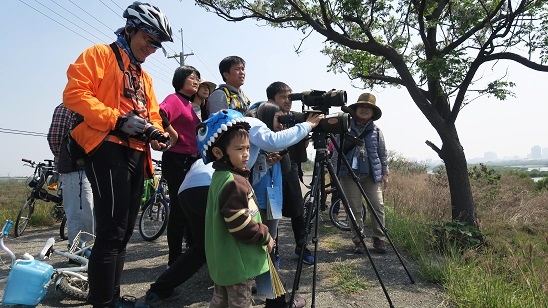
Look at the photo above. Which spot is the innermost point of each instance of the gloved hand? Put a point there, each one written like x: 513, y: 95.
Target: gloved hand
x: 131, y: 124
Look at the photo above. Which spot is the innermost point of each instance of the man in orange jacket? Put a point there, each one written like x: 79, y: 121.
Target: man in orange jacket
x: 109, y: 90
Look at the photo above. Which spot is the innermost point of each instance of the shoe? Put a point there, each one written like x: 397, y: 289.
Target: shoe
x: 152, y: 299
x: 308, y: 258
x: 358, y: 248
x: 379, y: 245
x: 298, y: 302
x: 128, y: 301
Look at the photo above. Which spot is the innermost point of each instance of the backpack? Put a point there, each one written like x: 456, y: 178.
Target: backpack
x: 230, y: 97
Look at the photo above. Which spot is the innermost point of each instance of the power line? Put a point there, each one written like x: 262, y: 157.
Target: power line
x: 56, y: 21
x: 69, y: 21
x: 21, y: 132
x: 90, y: 14
x: 79, y: 18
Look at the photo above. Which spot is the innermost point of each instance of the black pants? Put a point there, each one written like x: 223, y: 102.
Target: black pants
x: 293, y: 203
x: 116, y: 176
x: 193, y: 202
x: 174, y: 169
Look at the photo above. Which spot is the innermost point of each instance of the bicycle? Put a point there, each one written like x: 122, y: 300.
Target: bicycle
x: 41, y: 173
x: 29, y: 278
x: 155, y: 211
x: 337, y: 213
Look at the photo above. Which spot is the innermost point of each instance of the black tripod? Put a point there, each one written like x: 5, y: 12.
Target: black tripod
x: 317, y: 196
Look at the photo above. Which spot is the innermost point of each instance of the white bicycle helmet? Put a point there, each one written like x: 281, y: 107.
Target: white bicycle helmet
x: 151, y: 16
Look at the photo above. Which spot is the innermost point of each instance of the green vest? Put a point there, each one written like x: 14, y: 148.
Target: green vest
x: 229, y: 261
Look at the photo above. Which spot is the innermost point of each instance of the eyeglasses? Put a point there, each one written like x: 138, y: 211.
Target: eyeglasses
x: 152, y: 43
x: 194, y: 78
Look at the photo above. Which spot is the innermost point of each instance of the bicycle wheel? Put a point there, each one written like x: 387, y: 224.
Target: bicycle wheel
x: 57, y: 211
x: 342, y: 221
x: 153, y: 220
x: 307, y: 206
x: 74, y: 287
x: 24, y: 216
x: 63, y: 233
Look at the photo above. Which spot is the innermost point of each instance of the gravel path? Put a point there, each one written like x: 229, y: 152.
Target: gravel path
x: 146, y: 260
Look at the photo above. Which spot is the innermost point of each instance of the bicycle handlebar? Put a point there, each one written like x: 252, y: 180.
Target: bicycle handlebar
x: 50, y: 163
x: 7, y: 227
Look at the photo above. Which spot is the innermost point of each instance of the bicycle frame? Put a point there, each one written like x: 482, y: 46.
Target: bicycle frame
x: 41, y: 173
x: 4, y: 234
x: 76, y: 256
x: 76, y: 282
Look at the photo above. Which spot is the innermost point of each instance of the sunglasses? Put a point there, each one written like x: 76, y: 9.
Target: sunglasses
x: 152, y: 43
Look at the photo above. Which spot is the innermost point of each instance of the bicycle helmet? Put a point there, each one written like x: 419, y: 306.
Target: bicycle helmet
x: 218, y: 123
x: 151, y: 16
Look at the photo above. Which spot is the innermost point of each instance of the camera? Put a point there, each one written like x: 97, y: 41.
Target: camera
x: 152, y: 133
x: 283, y: 152
x: 321, y: 99
x: 332, y: 123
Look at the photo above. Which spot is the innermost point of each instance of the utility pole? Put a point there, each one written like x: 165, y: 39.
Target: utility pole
x: 182, y: 55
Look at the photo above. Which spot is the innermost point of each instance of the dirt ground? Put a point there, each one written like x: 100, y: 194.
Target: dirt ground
x: 146, y: 260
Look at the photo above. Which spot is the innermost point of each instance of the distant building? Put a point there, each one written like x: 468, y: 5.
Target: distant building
x: 536, y: 152
x: 544, y: 152
x: 490, y: 156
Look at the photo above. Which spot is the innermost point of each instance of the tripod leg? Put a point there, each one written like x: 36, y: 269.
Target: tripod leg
x: 335, y: 181
x: 371, y: 209
x: 314, y: 207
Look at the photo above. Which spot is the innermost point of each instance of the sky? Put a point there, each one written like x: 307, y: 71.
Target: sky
x: 42, y: 37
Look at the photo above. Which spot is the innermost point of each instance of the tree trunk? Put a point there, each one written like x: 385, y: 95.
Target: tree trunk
x: 452, y: 153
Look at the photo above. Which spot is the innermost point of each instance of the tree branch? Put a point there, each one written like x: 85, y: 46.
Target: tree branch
x: 434, y: 147
x: 383, y: 78
x: 516, y: 58
x: 487, y: 20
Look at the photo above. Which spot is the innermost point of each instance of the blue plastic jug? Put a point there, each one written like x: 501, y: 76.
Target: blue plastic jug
x: 27, y: 282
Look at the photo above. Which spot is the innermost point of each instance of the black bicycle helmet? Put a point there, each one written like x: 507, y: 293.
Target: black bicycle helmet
x: 151, y: 16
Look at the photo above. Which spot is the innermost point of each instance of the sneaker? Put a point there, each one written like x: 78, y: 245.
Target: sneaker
x: 298, y: 302
x: 379, y: 245
x: 308, y: 258
x: 358, y: 248
x: 128, y: 301
x: 152, y: 299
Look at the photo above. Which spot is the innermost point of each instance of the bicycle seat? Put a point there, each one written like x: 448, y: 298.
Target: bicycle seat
x: 47, y: 250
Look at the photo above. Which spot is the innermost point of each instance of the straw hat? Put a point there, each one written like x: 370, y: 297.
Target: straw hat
x: 210, y: 85
x: 368, y: 100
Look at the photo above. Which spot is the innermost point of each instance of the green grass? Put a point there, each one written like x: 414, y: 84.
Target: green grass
x: 13, y: 194
x: 346, y: 278
x: 501, y: 274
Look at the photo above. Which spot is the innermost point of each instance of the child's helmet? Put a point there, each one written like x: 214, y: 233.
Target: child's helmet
x: 218, y: 123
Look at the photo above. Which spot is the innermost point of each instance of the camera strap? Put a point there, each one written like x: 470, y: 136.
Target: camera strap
x: 118, y: 55
x: 349, y: 148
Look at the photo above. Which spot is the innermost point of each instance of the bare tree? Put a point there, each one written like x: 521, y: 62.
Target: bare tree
x: 434, y: 49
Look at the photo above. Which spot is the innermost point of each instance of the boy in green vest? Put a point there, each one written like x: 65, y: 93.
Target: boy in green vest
x: 236, y: 240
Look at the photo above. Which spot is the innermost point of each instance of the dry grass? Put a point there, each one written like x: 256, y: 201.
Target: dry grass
x: 419, y: 195
x: 512, y: 216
